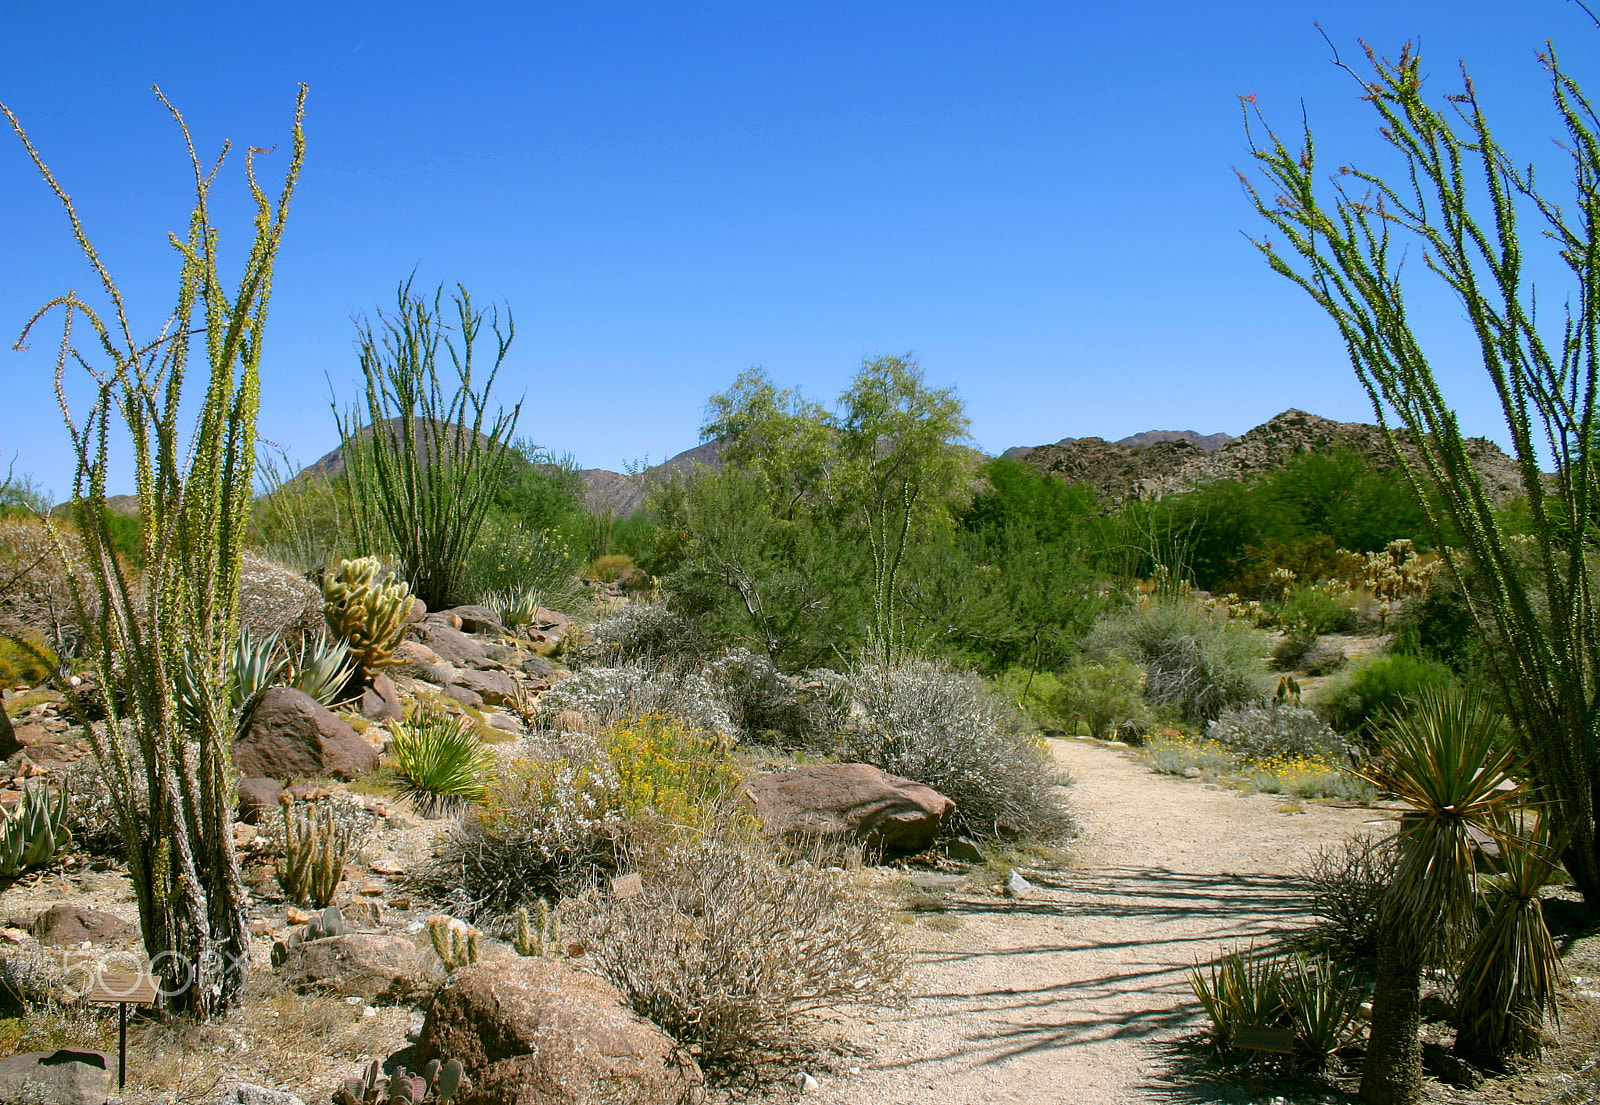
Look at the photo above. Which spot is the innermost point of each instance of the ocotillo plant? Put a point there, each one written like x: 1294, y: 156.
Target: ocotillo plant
x: 171, y: 777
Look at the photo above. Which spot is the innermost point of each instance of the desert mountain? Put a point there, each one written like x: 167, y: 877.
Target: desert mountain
x: 1158, y: 463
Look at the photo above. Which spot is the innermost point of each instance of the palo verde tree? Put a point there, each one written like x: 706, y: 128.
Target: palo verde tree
x: 884, y: 466
x: 161, y: 654
x: 1458, y: 195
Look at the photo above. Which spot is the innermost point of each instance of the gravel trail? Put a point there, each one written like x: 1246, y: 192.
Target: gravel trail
x: 1067, y: 996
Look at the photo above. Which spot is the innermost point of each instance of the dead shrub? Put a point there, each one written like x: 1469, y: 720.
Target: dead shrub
x: 1346, y: 885
x: 728, y: 948
x: 36, y: 589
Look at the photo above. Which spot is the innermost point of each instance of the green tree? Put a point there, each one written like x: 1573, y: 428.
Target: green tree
x: 162, y: 657
x: 1462, y: 200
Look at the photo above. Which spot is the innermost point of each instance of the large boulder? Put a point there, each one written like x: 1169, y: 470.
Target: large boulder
x: 494, y: 687
x: 380, y: 700
x: 476, y: 619
x: 417, y: 660
x: 855, y: 800
x: 448, y: 642
x: 292, y: 734
x: 540, y: 1031
x: 360, y: 965
x: 67, y: 925
x: 272, y: 599
x: 65, y: 1077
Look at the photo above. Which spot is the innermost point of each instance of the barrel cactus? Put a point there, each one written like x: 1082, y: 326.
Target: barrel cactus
x: 366, y: 607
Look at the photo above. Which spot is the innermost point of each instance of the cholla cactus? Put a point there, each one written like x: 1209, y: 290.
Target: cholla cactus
x: 1398, y: 572
x: 455, y: 943
x: 34, y: 832
x: 366, y: 607
x: 315, y: 848
x: 539, y: 934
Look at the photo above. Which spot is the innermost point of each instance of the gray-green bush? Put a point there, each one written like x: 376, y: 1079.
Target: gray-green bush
x: 1193, y: 660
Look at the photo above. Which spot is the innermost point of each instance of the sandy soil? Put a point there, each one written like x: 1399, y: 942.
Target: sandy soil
x: 1069, y: 995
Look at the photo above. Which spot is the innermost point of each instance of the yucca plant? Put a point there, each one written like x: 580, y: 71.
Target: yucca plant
x: 33, y: 832
x: 1454, y: 763
x: 1240, y: 989
x: 322, y: 669
x: 515, y: 607
x: 1512, y: 969
x: 1323, y: 1000
x: 440, y: 761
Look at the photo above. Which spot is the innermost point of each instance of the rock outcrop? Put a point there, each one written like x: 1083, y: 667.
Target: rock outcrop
x: 540, y: 1031
x: 851, y: 800
x: 1171, y: 462
x: 291, y: 734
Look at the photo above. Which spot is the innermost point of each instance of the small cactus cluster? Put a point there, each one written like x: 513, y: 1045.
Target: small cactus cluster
x: 539, y: 934
x: 456, y: 944
x: 327, y: 924
x: 34, y: 832
x: 315, y: 847
x: 366, y: 608
x: 435, y: 1085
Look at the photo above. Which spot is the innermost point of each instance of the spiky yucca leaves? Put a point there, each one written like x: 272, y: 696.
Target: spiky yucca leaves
x: 34, y: 831
x: 1512, y: 970
x: 171, y: 778
x: 366, y: 608
x: 1454, y: 763
x: 1241, y: 989
x: 423, y: 472
x: 1323, y: 1000
x: 440, y: 761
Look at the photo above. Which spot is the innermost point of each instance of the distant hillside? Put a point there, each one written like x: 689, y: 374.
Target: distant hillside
x: 624, y: 494
x: 1163, y: 462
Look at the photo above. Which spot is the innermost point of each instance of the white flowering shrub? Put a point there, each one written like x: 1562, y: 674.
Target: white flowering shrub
x: 767, y: 706
x: 641, y: 630
x: 926, y: 722
x: 634, y: 690
x: 1263, y: 730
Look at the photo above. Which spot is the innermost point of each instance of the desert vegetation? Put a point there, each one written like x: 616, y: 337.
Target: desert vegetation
x: 418, y: 732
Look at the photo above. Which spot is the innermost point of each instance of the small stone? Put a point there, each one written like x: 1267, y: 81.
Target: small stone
x: 400, y: 903
x: 807, y: 1083
x: 244, y: 835
x: 296, y: 916
x: 263, y: 926
x: 363, y: 913
x: 1191, y: 773
x: 963, y: 850
x: 373, y: 889
x: 386, y: 867
x: 1018, y: 887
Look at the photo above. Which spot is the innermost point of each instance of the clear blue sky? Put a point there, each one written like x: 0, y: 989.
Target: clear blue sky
x: 1037, y: 199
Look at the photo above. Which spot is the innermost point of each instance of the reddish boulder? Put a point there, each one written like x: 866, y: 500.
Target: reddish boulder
x: 856, y: 800
x: 539, y: 1031
x: 494, y: 687
x: 380, y: 701
x: 258, y: 798
x: 292, y: 734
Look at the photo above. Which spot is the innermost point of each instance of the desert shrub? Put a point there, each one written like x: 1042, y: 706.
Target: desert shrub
x: 1306, y: 776
x: 440, y: 761
x: 765, y: 705
x: 1032, y: 692
x: 1346, y: 885
x: 611, y: 566
x: 1297, y: 643
x: 275, y: 601
x: 1320, y: 607
x: 555, y: 823
x: 728, y: 948
x: 1172, y: 753
x: 36, y: 588
x: 1353, y: 701
x: 507, y: 555
x: 924, y: 721
x: 650, y: 631
x: 1192, y: 660
x: 1262, y: 730
x: 1102, y: 695
x: 90, y: 814
x: 634, y: 690
x: 26, y: 660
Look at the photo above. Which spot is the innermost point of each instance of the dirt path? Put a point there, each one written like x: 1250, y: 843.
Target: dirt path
x: 1066, y: 997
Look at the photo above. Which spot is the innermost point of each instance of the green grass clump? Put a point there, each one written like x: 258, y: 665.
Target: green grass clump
x: 26, y: 661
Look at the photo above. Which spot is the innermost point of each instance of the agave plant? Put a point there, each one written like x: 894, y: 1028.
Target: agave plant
x: 34, y: 832
x: 1324, y: 1001
x: 1512, y: 970
x: 440, y: 761
x: 1240, y: 989
x: 257, y: 665
x: 515, y: 607
x: 322, y: 669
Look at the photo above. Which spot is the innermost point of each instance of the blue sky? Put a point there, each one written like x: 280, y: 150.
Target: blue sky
x: 1038, y: 200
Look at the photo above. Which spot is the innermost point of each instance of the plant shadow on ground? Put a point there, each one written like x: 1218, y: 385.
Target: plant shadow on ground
x: 1240, y: 907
